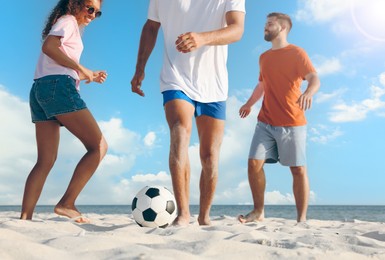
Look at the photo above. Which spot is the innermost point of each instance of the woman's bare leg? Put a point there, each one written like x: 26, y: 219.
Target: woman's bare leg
x: 82, y: 125
x: 47, y: 139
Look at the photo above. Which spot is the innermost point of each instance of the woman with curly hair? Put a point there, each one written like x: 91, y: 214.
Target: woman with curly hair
x: 55, y: 102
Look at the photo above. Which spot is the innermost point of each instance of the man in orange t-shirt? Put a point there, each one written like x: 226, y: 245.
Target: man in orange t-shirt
x: 280, y: 134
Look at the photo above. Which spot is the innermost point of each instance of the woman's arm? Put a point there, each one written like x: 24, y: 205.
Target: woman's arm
x: 51, y: 47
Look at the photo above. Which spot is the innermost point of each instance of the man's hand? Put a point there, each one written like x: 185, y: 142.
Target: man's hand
x: 189, y: 42
x: 136, y: 83
x: 305, y: 101
x: 244, y: 111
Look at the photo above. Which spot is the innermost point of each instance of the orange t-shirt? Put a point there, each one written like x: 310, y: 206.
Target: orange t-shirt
x: 282, y: 72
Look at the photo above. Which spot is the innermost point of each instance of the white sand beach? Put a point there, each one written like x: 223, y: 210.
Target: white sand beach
x: 117, y: 236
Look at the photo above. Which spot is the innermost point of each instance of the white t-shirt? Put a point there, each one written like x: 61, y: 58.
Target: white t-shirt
x: 201, y: 74
x: 72, y: 45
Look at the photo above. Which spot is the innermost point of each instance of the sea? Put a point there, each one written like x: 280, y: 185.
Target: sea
x: 345, y: 213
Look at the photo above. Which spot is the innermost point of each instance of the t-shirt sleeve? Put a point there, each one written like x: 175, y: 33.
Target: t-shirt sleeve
x: 235, y: 5
x: 153, y: 11
x: 63, y: 27
x: 305, y: 65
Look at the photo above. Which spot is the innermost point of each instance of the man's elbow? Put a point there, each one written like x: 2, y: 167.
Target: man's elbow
x: 151, y: 27
x: 238, y: 34
x: 315, y: 81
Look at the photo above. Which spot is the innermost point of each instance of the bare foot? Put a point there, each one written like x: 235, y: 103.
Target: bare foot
x: 301, y: 219
x: 72, y: 213
x: 253, y: 216
x: 204, y: 221
x: 181, y: 221
x: 25, y: 216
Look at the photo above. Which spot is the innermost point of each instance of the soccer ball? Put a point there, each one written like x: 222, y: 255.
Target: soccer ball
x: 154, y: 206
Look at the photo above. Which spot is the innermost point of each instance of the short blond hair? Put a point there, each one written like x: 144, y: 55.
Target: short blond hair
x: 282, y: 18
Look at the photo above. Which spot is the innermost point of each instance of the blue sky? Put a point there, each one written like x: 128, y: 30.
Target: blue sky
x: 345, y: 40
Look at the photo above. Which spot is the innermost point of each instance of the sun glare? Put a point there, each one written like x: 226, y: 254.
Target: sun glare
x: 369, y: 18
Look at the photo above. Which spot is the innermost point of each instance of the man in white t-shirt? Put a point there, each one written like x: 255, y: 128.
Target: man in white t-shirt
x: 193, y: 82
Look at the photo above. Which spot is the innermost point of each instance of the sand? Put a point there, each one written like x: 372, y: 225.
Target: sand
x: 117, y: 236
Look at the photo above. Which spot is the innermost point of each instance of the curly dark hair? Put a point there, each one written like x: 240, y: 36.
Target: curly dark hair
x: 63, y: 7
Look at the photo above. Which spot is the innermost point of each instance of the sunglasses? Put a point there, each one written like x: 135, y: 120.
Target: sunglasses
x: 91, y: 10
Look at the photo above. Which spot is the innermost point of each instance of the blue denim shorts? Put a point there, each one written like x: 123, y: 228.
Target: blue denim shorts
x: 216, y: 110
x: 284, y: 144
x: 54, y: 95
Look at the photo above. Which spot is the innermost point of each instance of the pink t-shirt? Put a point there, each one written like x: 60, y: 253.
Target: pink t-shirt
x: 72, y: 45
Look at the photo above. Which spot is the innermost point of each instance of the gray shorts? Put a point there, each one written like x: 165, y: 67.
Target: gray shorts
x: 284, y: 144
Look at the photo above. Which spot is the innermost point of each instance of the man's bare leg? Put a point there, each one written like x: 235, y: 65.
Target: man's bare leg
x: 210, y: 131
x: 301, y: 190
x: 179, y: 115
x: 257, y: 183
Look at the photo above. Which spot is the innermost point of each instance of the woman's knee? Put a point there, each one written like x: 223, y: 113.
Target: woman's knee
x: 100, y: 146
x: 103, y: 146
x: 46, y: 162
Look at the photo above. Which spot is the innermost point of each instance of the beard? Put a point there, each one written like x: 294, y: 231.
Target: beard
x: 269, y: 36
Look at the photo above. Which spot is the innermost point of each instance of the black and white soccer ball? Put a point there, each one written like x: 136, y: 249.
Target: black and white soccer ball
x: 154, y: 206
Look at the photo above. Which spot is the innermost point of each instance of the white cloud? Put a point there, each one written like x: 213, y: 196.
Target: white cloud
x: 16, y: 126
x: 17, y: 146
x: 239, y: 131
x: 328, y: 66
x: 275, y: 197
x: 346, y: 17
x: 348, y: 113
x: 118, y: 137
x: 148, y: 178
x: 321, y: 11
x: 358, y: 110
x: 322, y: 97
x: 150, y: 139
x: 241, y: 191
x: 382, y: 78
x: 323, y: 134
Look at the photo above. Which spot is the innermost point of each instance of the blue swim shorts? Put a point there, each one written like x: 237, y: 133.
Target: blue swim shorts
x: 284, y: 144
x: 54, y: 95
x: 214, y: 109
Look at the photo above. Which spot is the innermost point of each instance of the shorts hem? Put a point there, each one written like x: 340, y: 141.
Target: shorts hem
x: 53, y: 117
x: 67, y: 112
x: 216, y: 110
x: 43, y: 120
x: 267, y: 160
x: 293, y: 164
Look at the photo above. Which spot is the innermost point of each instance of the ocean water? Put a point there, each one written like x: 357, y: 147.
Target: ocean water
x: 346, y: 213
